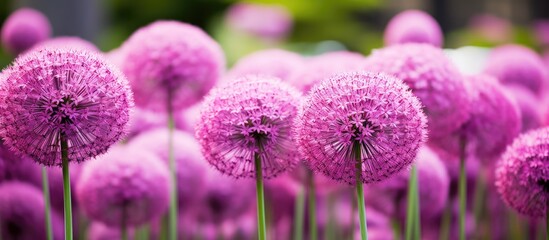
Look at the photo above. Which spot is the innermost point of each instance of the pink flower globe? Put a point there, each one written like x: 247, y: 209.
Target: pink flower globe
x: 23, y: 29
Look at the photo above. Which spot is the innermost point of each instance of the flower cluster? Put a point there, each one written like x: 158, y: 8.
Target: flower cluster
x: 23, y: 29
x: 413, y: 26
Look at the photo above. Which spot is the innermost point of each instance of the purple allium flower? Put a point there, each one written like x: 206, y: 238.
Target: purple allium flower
x: 170, y: 62
x: 142, y: 120
x: 248, y: 116
x: 127, y: 186
x: 18, y: 168
x: 191, y: 167
x: 374, y: 111
x: 186, y: 120
x: 22, y: 213
x: 226, y: 198
x: 433, y: 79
x: 323, y: 66
x: 528, y: 104
x: 522, y: 176
x: 265, y: 21
x: 273, y: 62
x: 24, y: 28
x: 100, y: 231
x: 281, y: 193
x: 515, y: 64
x: 66, y: 42
x: 413, y: 26
x: 61, y: 93
x: 494, y: 122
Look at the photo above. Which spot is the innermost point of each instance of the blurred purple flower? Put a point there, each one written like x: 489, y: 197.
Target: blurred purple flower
x: 492, y: 28
x: 281, y: 193
x: 324, y: 66
x: 100, y: 231
x: 433, y: 79
x: 170, y: 62
x: 541, y: 30
x: 273, y: 62
x: 522, y: 176
x: 265, y: 21
x: 516, y: 64
x: 528, y: 104
x: 142, y: 120
x: 494, y: 122
x: 66, y: 42
x: 248, y: 116
x: 413, y: 26
x: 125, y: 187
x: 50, y: 94
x: 374, y: 111
x: 23, y: 29
x: 191, y: 167
x: 22, y: 213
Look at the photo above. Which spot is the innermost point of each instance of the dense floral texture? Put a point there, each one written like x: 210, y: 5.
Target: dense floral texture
x: 522, y: 176
x: 22, y: 213
x: 375, y: 113
x: 66, y: 42
x: 253, y: 115
x: 432, y: 78
x: 169, y: 62
x: 265, y: 21
x: 494, y: 122
x: 125, y: 187
x: 413, y: 26
x: 515, y: 64
x: 24, y: 28
x: 323, y: 66
x: 53, y: 94
x: 190, y: 164
x: 273, y: 62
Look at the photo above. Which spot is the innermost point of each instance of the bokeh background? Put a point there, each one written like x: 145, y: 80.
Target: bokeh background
x: 318, y: 26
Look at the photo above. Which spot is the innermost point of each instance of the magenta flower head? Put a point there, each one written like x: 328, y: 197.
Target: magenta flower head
x: 56, y: 94
x: 22, y: 213
x: 142, y: 120
x: 24, y: 28
x: 519, y: 65
x: 522, y: 176
x: 323, y: 66
x: 66, y: 42
x: 375, y: 112
x: 191, y: 168
x: 494, y: 121
x: 527, y: 103
x: 125, y: 187
x: 413, y: 26
x: 253, y: 115
x: 433, y: 79
x: 171, y: 63
x: 273, y: 62
x: 265, y: 21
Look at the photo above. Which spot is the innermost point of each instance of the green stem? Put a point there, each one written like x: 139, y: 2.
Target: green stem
x: 47, y: 205
x: 330, y: 231
x: 143, y: 232
x: 66, y: 187
x: 478, y: 205
x: 396, y: 229
x: 173, y: 193
x: 124, y: 233
x: 299, y: 214
x: 312, y: 205
x: 123, y: 225
x: 445, y: 225
x: 411, y: 204
x: 261, y: 227
x: 462, y: 185
x: 360, y: 192
x: 417, y: 213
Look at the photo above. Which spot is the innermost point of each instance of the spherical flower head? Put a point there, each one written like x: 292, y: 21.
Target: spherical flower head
x: 323, y: 66
x: 126, y: 186
x: 142, y: 120
x: 519, y: 65
x: 56, y: 94
x: 374, y: 112
x: 171, y: 63
x: 186, y: 120
x: 522, y: 176
x: 413, y: 26
x: 251, y: 116
x: 433, y: 79
x: 22, y: 213
x: 24, y: 28
x: 494, y: 122
x: 272, y: 62
x: 265, y: 21
x: 66, y: 42
x: 527, y: 103
x: 16, y: 168
x: 191, y: 168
